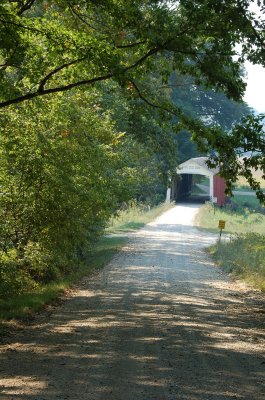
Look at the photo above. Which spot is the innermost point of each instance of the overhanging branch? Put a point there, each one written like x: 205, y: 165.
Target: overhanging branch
x: 58, y: 89
x: 55, y: 71
x: 151, y: 103
x: 41, y: 91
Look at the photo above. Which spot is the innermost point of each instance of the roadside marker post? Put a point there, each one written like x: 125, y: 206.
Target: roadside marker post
x: 214, y: 202
x: 221, y: 226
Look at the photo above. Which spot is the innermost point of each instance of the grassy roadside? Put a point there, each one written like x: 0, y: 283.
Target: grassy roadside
x: 25, y: 305
x: 240, y: 221
x: 244, y: 257
x: 243, y: 254
x: 28, y: 303
x: 135, y: 217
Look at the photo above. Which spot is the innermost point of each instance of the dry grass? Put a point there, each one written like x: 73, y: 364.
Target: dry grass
x: 136, y: 216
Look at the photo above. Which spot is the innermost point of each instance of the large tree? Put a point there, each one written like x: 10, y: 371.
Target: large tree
x: 50, y: 46
x: 54, y: 46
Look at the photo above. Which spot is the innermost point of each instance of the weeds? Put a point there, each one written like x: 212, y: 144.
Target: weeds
x: 244, y: 254
x: 135, y: 216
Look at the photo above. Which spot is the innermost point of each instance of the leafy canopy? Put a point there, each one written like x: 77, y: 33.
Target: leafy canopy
x: 54, y: 46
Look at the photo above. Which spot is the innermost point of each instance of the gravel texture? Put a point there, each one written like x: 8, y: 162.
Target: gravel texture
x: 160, y: 322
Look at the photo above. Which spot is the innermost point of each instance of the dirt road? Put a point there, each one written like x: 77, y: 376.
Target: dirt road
x: 161, y: 322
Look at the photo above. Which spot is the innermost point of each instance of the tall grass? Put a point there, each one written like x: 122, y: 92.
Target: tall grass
x: 135, y: 216
x: 244, y: 257
x: 244, y: 254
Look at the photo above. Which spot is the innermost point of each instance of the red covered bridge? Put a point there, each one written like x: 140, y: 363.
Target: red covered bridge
x: 187, y: 172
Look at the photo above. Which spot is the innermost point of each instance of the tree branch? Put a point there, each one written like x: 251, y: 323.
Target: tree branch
x: 142, y: 59
x: 26, y: 6
x: 20, y: 25
x: 6, y: 65
x: 168, y: 110
x: 254, y: 31
x: 55, y: 71
x: 127, y: 46
x: 149, y: 102
x: 80, y: 17
x: 83, y: 18
x: 58, y: 89
x: 41, y: 91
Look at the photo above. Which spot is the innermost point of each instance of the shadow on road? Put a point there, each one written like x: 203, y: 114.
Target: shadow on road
x: 161, y: 322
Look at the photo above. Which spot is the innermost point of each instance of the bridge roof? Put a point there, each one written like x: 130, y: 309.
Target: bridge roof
x: 196, y: 166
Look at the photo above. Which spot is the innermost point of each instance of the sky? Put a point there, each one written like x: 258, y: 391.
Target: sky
x: 255, y: 92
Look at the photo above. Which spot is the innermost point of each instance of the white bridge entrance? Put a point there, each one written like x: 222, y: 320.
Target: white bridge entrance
x: 198, y: 166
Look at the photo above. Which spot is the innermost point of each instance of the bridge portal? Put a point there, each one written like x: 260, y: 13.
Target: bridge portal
x: 214, y: 189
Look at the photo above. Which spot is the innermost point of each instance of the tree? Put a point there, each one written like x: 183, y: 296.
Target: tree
x: 211, y: 107
x: 50, y: 47
x: 67, y: 165
x: 88, y: 121
x: 65, y: 169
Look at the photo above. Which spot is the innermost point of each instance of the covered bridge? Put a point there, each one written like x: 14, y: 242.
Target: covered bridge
x: 214, y: 189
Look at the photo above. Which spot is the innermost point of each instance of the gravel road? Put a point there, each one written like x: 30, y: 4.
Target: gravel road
x: 160, y: 322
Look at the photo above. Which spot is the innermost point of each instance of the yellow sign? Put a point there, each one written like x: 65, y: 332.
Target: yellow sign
x: 221, y: 224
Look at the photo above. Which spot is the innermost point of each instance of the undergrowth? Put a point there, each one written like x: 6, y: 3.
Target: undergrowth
x: 241, y: 251
x: 244, y: 257
x: 26, y: 304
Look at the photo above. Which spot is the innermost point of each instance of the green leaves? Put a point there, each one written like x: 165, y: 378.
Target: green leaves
x: 58, y: 178
x: 104, y: 130
x: 68, y: 44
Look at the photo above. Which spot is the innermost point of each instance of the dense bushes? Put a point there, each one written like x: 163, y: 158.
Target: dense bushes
x: 65, y: 169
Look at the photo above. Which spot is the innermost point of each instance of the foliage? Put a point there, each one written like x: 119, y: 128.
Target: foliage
x: 22, y: 305
x: 62, y: 45
x: 49, y: 47
x: 64, y: 171
x: 241, y: 182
